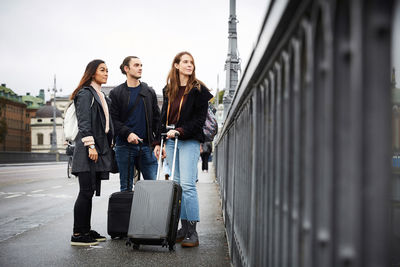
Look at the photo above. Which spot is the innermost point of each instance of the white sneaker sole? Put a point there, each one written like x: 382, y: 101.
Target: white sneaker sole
x: 84, y: 244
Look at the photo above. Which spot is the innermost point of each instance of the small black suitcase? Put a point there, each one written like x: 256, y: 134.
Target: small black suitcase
x: 119, y: 210
x: 156, y: 209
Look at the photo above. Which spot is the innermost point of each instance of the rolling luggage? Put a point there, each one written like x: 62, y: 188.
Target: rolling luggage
x: 119, y: 210
x: 155, y: 211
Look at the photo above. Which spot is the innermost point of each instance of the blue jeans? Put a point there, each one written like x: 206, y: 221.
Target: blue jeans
x: 187, y: 156
x: 130, y: 152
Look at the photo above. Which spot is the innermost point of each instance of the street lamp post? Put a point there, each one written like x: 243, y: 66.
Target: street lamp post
x: 232, y: 63
x: 54, y: 134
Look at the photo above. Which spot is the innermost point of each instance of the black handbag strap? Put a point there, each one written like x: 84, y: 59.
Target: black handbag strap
x: 139, y: 160
x: 96, y: 183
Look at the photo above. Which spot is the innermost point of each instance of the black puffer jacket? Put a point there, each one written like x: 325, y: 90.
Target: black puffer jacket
x: 91, y: 122
x: 119, y: 110
x: 192, y: 117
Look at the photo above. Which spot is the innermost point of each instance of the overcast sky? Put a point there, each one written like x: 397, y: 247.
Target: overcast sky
x: 41, y: 38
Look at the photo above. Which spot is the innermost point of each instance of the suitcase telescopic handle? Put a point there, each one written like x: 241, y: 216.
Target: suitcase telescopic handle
x: 174, y: 158
x: 163, y: 135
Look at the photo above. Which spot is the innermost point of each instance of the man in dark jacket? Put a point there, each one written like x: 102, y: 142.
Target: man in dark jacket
x: 136, y: 117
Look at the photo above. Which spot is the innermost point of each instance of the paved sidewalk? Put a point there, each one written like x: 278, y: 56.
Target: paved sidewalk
x: 48, y: 245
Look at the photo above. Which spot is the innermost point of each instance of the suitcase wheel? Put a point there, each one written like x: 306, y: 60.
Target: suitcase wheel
x: 134, y: 245
x: 171, y: 247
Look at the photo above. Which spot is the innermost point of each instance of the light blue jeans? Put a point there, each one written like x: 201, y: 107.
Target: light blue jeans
x: 187, y: 156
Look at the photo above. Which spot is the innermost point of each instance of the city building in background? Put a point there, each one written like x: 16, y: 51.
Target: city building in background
x: 62, y: 102
x: 14, y: 122
x: 42, y: 130
x: 33, y: 104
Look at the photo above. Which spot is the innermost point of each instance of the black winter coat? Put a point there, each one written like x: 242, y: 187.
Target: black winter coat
x: 92, y: 122
x: 120, y: 97
x: 192, y: 117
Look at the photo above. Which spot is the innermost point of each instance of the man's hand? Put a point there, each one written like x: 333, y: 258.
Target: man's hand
x: 157, y: 152
x: 133, y: 139
x: 93, y: 154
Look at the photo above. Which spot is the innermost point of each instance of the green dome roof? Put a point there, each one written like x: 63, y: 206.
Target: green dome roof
x: 32, y: 102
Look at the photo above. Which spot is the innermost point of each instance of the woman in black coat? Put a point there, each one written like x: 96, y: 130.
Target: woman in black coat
x: 185, y: 107
x: 92, y: 154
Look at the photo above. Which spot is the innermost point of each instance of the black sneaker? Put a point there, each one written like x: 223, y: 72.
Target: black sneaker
x: 191, y: 238
x: 83, y: 240
x: 97, y: 236
x: 180, y: 235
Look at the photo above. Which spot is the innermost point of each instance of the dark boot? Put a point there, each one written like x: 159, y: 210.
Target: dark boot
x: 180, y: 235
x: 191, y: 238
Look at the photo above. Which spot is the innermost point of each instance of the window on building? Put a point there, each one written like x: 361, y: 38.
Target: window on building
x: 40, y: 138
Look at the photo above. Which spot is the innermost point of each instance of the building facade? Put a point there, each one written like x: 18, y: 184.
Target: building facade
x: 33, y: 104
x: 42, y: 130
x: 62, y: 102
x: 14, y: 122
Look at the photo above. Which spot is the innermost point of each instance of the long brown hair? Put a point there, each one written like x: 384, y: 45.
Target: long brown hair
x: 87, y: 76
x: 173, y: 80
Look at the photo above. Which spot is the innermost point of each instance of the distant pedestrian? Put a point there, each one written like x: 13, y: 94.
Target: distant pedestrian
x: 185, y: 108
x: 205, y: 151
x: 92, y: 153
x: 136, y: 117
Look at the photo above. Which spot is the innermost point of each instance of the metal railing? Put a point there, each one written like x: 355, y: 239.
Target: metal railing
x: 303, y: 160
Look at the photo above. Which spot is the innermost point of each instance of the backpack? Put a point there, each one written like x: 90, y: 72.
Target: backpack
x: 71, y: 122
x: 210, y: 128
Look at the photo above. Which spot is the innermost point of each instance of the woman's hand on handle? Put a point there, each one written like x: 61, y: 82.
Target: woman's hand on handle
x: 93, y: 155
x: 172, y: 134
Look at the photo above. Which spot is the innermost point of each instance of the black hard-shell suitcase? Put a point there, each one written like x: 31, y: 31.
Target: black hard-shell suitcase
x: 119, y: 211
x: 156, y: 208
